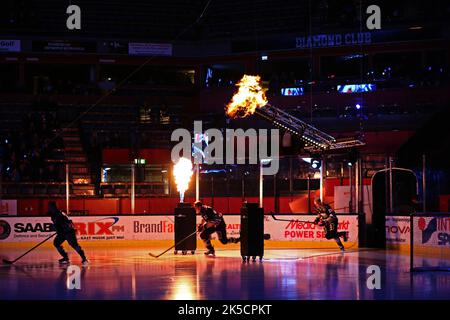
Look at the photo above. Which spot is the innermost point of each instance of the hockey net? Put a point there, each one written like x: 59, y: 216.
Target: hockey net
x: 430, y: 242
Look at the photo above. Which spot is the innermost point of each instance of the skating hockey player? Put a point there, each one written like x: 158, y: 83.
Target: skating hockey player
x: 327, y: 218
x: 212, y: 221
x: 65, y: 231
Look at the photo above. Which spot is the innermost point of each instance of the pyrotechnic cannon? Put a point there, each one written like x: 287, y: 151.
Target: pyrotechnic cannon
x: 251, y: 99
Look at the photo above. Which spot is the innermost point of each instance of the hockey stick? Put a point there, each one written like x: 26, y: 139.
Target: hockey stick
x: 277, y: 219
x: 40, y: 243
x: 182, y: 240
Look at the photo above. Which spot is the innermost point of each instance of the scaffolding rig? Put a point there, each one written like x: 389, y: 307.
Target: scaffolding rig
x: 315, y: 140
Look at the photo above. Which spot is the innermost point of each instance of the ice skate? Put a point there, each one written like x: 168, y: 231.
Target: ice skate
x: 210, y: 253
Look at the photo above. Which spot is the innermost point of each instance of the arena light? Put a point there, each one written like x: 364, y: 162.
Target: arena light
x: 182, y: 172
x: 315, y: 163
x: 352, y: 158
x: 358, y: 106
x: 140, y: 161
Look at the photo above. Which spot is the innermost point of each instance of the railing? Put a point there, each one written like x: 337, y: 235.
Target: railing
x: 142, y: 189
x: 35, y: 189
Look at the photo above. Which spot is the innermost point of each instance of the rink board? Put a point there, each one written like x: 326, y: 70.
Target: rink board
x: 155, y: 230
x: 431, y: 234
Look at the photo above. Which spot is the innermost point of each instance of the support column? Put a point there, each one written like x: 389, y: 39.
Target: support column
x: 350, y: 182
x: 391, y: 200
x: 323, y: 174
x: 261, y: 186
x: 424, y: 184
x: 197, y: 182
x: 357, y: 191
x: 133, y: 190
x: 67, y: 190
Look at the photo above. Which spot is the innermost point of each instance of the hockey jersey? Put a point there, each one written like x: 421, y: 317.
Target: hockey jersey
x: 62, y: 222
x: 211, y: 215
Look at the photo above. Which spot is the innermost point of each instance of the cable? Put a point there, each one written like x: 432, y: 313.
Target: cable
x: 123, y: 81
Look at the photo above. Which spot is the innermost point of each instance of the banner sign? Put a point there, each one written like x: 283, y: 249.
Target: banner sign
x: 354, y: 37
x: 8, y: 207
x: 64, y: 46
x: 398, y: 230
x: 150, y: 49
x: 297, y: 230
x: 9, y: 45
x: 432, y: 231
x: 107, y: 228
x: 333, y: 40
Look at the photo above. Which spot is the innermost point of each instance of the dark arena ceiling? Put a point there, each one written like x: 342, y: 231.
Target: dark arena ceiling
x: 164, y: 20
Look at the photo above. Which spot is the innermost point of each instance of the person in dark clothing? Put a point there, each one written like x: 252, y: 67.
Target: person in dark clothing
x: 212, y: 221
x: 65, y: 231
x: 326, y: 217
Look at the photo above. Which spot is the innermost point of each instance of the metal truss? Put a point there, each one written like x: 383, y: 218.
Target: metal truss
x: 315, y: 139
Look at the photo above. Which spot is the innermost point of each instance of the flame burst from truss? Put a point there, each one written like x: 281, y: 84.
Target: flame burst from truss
x: 248, y: 98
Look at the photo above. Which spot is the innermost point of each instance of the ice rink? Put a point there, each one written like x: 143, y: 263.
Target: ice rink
x: 284, y: 274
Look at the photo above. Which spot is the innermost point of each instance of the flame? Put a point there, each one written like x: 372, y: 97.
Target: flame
x: 182, y: 172
x: 249, y: 96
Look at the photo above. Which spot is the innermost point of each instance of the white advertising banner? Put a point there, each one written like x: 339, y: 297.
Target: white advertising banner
x: 107, y: 228
x: 9, y: 45
x: 432, y: 231
x: 8, y: 207
x: 398, y: 230
x: 301, y: 228
x: 149, y: 49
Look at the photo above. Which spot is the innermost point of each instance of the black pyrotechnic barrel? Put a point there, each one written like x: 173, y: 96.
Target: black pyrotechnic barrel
x: 185, y: 224
x: 252, y: 231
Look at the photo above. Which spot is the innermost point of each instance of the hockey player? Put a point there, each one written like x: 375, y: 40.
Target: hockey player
x: 212, y: 221
x: 327, y: 218
x: 65, y: 231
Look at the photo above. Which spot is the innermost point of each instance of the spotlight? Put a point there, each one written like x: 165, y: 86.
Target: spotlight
x: 358, y: 106
x: 315, y: 163
x: 352, y: 157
